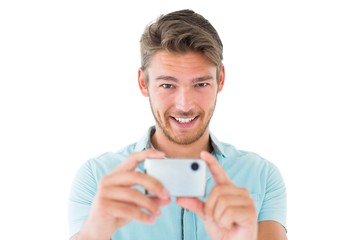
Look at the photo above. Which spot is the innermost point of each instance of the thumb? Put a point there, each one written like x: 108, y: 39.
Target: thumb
x: 192, y: 204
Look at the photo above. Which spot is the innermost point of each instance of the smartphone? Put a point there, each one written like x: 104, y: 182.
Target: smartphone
x: 180, y: 177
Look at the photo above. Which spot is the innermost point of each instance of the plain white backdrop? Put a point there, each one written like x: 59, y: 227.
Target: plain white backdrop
x: 68, y: 92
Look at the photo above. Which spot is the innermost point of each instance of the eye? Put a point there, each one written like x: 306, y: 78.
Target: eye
x: 166, y: 85
x: 202, y: 84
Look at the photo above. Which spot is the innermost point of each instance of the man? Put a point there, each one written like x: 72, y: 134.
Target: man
x: 181, y: 73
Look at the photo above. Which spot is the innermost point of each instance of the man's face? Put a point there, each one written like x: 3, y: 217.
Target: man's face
x: 182, y: 89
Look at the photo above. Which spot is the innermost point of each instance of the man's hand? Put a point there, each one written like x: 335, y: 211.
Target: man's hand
x: 229, y: 212
x: 117, y: 202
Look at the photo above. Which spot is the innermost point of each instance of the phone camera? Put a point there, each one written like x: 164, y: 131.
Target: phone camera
x: 194, y: 166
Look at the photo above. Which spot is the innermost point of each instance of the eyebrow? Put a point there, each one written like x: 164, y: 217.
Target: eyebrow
x: 195, y: 80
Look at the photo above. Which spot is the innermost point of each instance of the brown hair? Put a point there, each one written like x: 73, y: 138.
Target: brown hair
x: 180, y: 32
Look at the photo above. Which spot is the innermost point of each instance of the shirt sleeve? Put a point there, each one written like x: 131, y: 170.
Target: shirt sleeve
x: 274, y: 205
x: 82, y: 193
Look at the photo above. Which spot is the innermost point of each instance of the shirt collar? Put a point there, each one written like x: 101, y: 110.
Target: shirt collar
x: 145, y: 143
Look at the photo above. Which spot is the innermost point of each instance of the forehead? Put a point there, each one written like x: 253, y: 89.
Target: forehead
x: 193, y: 63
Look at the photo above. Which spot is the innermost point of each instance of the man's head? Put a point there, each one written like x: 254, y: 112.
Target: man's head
x: 181, y: 73
x: 181, y: 32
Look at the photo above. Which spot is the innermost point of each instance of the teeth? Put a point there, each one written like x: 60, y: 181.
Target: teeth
x: 184, y: 120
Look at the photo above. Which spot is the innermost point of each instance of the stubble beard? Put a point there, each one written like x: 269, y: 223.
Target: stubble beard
x: 187, y: 139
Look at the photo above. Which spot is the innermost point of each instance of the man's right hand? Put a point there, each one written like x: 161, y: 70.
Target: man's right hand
x: 117, y: 202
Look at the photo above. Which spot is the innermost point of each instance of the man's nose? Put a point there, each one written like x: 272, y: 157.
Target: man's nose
x: 184, y: 100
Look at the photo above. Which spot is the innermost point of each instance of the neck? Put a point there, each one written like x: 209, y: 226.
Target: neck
x: 174, y: 150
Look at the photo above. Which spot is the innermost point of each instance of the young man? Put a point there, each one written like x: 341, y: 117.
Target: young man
x: 181, y: 73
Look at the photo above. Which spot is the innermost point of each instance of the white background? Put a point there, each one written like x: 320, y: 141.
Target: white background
x: 68, y: 92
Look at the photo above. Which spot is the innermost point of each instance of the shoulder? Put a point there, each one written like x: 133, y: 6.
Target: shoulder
x: 249, y: 168
x: 235, y: 156
x: 104, y: 163
x: 231, y: 156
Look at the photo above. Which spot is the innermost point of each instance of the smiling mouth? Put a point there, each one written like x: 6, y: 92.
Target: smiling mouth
x: 184, y: 120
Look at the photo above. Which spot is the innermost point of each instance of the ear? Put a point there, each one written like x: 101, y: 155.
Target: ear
x: 221, y: 78
x: 142, y: 83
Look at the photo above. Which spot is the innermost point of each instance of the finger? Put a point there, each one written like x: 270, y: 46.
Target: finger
x: 128, y: 179
x: 133, y: 196
x: 192, y: 204
x: 216, y: 193
x: 161, y: 202
x: 241, y: 216
x: 129, y: 212
x: 225, y: 202
x: 216, y: 170
x: 219, y: 192
x: 135, y: 158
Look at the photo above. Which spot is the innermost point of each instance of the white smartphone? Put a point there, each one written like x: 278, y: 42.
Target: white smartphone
x: 180, y: 177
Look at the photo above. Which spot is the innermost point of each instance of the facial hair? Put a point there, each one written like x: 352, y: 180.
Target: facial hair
x: 165, y: 126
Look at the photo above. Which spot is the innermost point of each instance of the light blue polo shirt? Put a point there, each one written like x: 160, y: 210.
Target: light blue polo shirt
x: 245, y: 169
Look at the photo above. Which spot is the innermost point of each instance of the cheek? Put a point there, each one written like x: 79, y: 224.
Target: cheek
x: 160, y: 103
x: 207, y: 102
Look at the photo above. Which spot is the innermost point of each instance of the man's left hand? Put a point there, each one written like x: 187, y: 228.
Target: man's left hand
x: 229, y: 212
